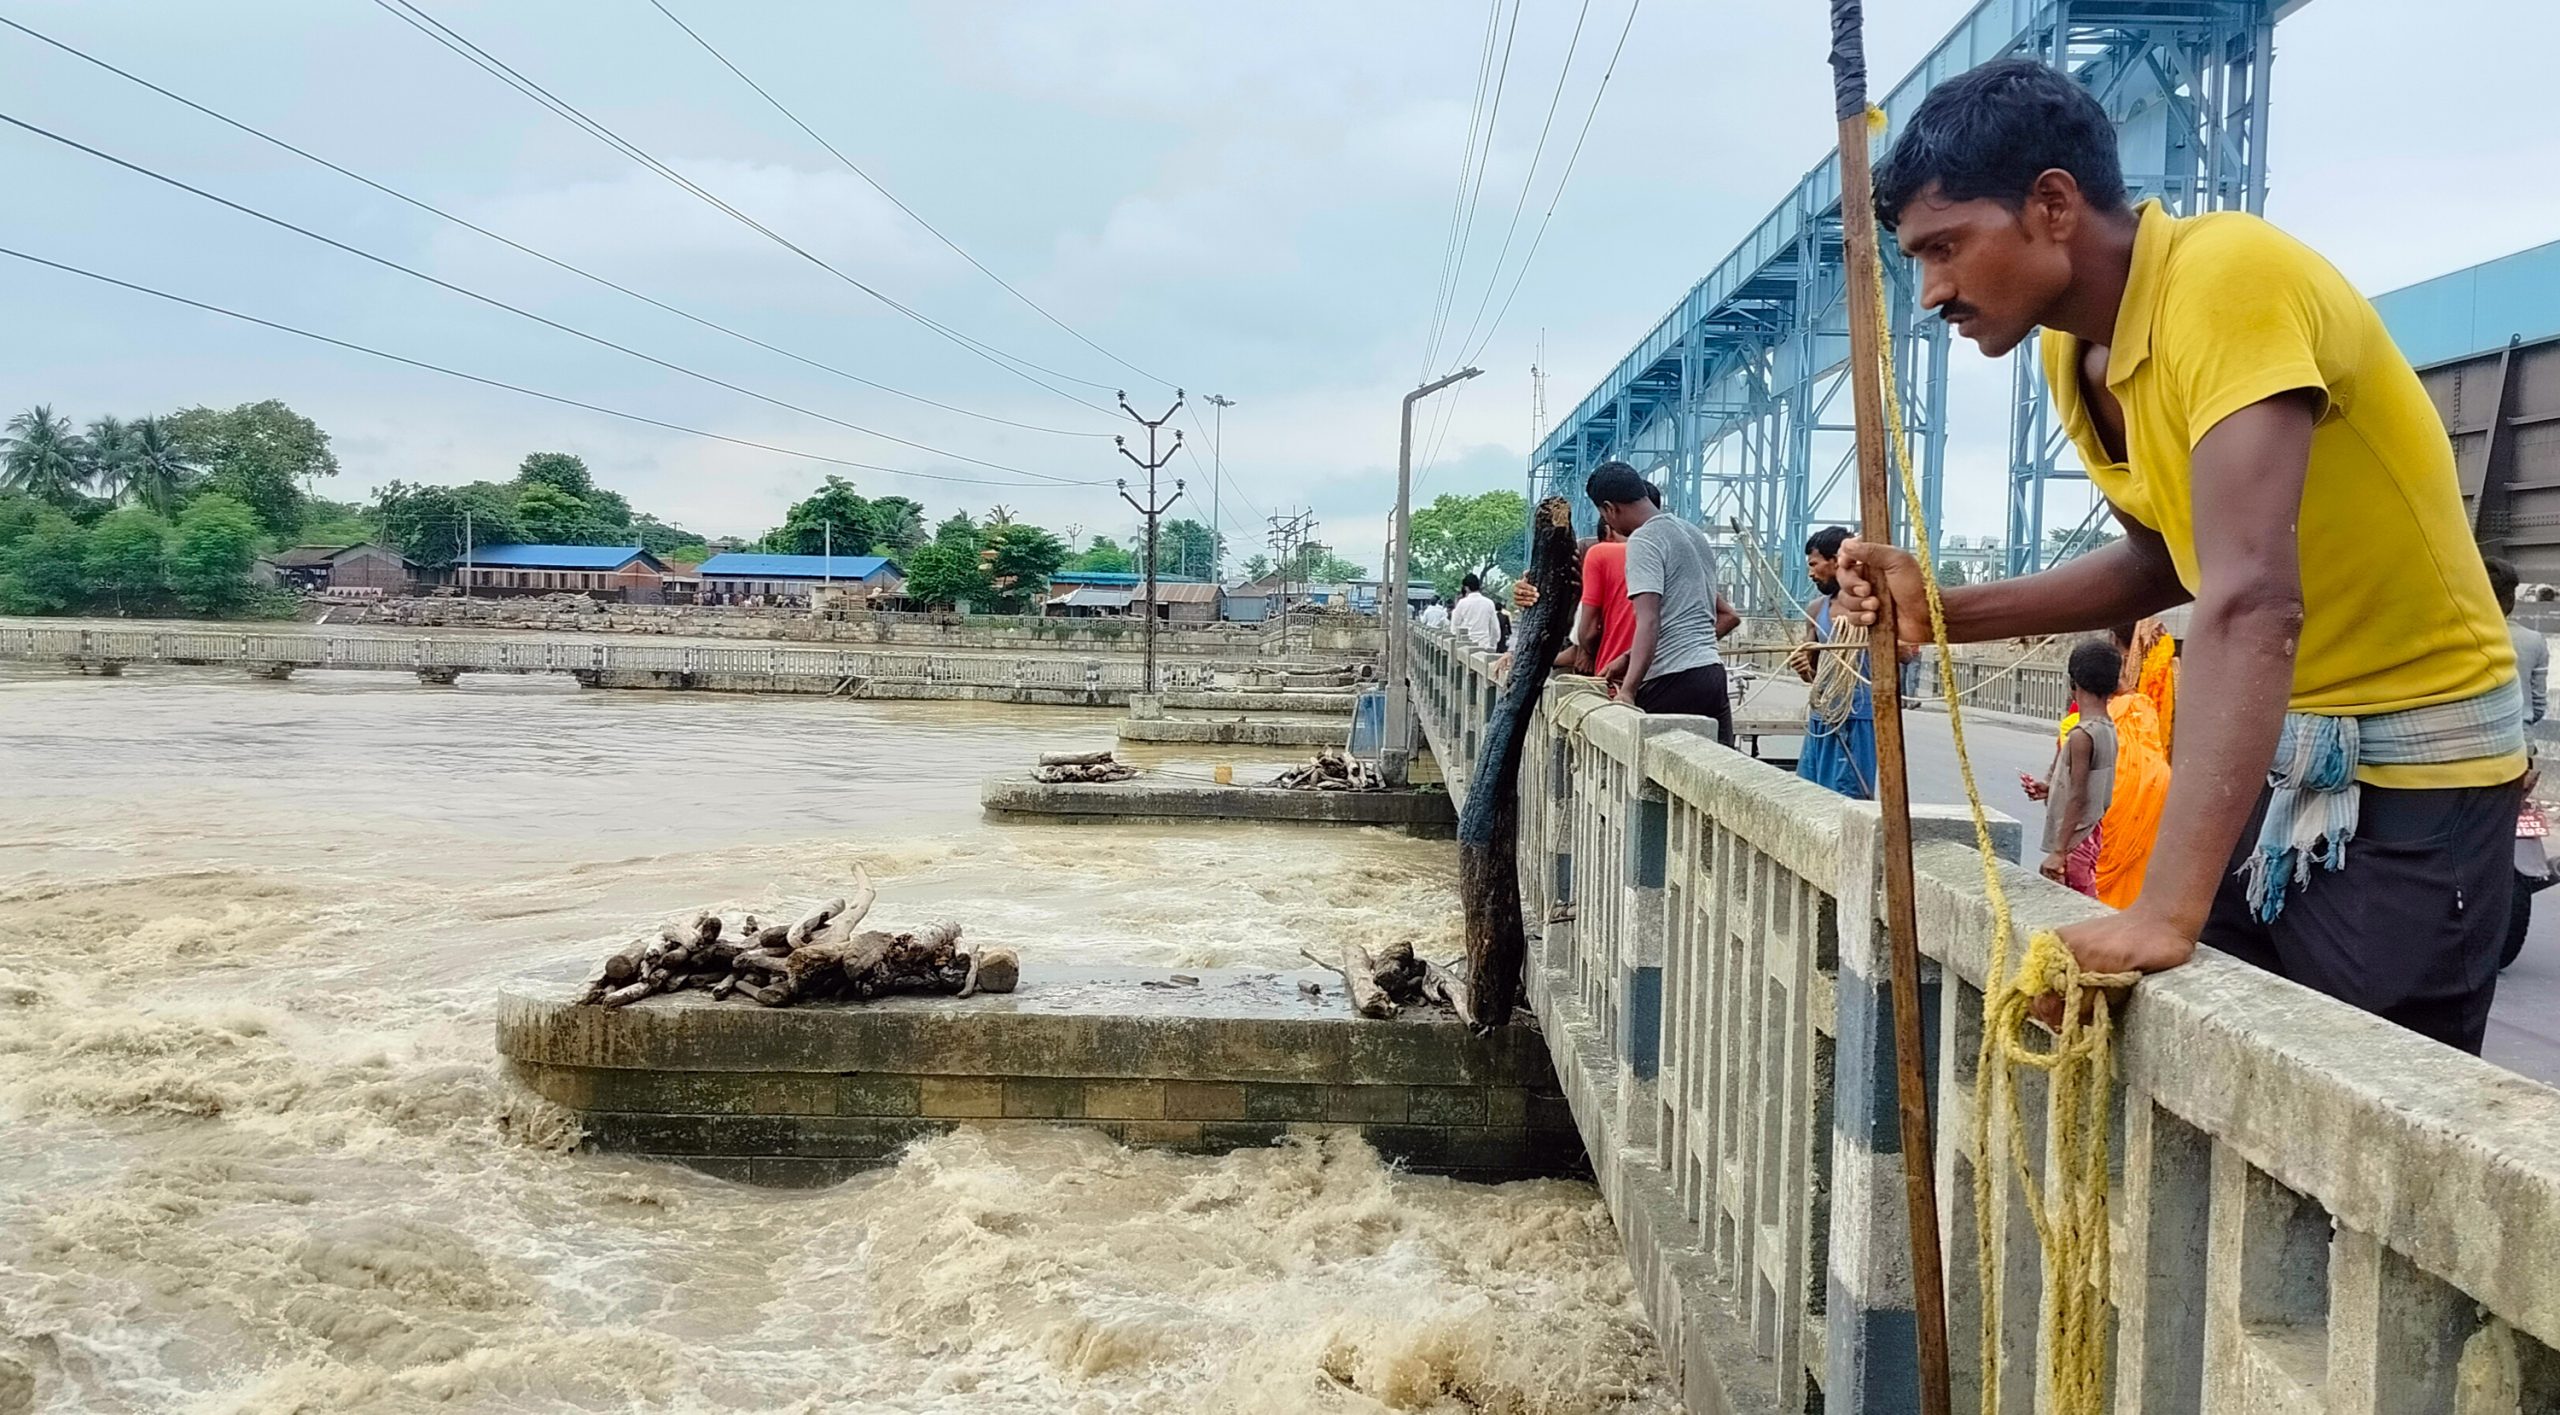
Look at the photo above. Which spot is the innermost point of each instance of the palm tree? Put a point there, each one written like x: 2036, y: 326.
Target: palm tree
x: 157, y: 473
x: 41, y: 457
x: 108, y: 458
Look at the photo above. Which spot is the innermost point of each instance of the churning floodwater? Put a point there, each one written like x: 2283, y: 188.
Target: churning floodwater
x: 256, y: 1154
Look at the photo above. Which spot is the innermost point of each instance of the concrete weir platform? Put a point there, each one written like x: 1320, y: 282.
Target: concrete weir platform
x: 1237, y: 731
x: 1420, y: 811
x: 809, y: 1095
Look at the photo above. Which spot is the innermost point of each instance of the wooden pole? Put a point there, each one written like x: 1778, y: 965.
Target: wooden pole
x: 1893, y: 784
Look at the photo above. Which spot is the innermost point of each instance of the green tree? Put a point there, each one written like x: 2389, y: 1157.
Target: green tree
x: 45, y: 568
x: 108, y: 455
x: 1316, y: 564
x: 549, y: 516
x: 1025, y: 557
x: 663, y: 540
x: 209, y: 557
x: 948, y: 572
x: 564, y: 472
x: 158, y: 474
x: 836, y: 514
x: 127, y: 555
x: 264, y: 455
x: 1187, y: 548
x: 1105, y: 555
x: 957, y: 529
x: 1457, y: 536
x: 41, y: 456
x: 428, y: 523
x: 1256, y: 566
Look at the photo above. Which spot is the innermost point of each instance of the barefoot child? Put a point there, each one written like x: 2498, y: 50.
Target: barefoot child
x: 2082, y: 783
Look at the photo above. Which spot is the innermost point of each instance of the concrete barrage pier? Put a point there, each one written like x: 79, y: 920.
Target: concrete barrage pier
x: 1421, y: 811
x: 1229, y: 1058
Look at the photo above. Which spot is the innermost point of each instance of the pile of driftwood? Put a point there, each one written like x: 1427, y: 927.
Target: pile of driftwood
x: 1331, y: 770
x: 1080, y: 766
x: 1392, y: 978
x: 819, y: 957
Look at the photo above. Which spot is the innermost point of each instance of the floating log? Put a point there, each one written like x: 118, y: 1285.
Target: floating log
x: 818, y: 957
x: 1331, y: 769
x: 1489, y: 826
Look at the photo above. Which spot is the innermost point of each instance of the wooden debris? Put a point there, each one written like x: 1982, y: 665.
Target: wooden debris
x: 1382, y: 983
x: 1057, y: 767
x: 820, y: 957
x: 1331, y: 770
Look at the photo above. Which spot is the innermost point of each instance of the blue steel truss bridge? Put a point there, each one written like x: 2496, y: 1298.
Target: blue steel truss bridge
x: 1734, y: 401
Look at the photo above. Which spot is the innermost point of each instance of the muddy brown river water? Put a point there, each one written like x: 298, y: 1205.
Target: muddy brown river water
x: 256, y: 1155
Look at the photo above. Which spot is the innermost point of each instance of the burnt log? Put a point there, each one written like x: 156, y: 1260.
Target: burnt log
x: 1489, y: 826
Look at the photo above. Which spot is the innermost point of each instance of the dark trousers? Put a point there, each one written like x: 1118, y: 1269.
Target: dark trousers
x: 2412, y: 928
x: 1699, y: 692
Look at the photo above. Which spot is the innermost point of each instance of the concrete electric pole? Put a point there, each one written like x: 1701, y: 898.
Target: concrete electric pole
x: 1151, y: 508
x: 1217, y: 481
x: 1397, y: 757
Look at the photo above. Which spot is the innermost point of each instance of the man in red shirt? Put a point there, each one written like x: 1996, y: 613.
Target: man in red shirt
x: 1605, y: 626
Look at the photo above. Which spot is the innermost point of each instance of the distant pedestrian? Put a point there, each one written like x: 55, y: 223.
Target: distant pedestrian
x: 1840, y: 733
x: 2533, y: 854
x: 1475, y: 617
x: 2081, y: 785
x: 1671, y: 664
x: 1435, y: 615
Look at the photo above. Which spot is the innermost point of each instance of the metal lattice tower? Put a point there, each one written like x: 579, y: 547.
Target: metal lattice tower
x: 1734, y: 400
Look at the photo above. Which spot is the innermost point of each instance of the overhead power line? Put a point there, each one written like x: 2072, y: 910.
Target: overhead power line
x: 1484, y: 160
x: 1530, y: 178
x: 1558, y: 195
x: 495, y: 303
x: 409, y: 14
x: 912, y: 214
x: 488, y: 382
x: 551, y: 260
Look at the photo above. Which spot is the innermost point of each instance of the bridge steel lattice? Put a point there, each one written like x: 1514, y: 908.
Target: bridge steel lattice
x: 1733, y: 401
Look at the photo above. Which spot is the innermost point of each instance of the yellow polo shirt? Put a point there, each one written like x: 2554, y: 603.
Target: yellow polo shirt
x: 2223, y: 311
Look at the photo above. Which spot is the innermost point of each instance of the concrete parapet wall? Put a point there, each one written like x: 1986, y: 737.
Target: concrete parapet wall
x: 1222, y: 699
x: 810, y: 1094
x: 2314, y: 1210
x: 1424, y: 810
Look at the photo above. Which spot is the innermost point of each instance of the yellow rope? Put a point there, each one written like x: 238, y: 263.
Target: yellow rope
x: 2079, y: 1062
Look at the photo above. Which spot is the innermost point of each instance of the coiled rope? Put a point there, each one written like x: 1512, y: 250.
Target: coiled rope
x: 2079, y: 1061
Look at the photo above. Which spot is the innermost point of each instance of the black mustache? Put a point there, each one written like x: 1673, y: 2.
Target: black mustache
x: 1956, y: 314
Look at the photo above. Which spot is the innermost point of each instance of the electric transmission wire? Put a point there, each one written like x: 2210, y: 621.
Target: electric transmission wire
x: 488, y: 382
x: 408, y: 13
x: 495, y: 303
x: 551, y: 260
x: 1558, y: 195
x: 912, y: 214
x: 1484, y: 161
x: 1530, y: 179
x: 1466, y: 160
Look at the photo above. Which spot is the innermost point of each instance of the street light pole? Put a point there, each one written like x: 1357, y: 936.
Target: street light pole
x: 1217, y: 479
x: 1396, y: 756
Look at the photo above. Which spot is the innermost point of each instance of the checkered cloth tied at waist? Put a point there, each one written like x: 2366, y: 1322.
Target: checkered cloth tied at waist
x: 2311, y: 811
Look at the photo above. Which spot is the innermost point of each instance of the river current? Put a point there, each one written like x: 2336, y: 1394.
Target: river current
x: 256, y: 1154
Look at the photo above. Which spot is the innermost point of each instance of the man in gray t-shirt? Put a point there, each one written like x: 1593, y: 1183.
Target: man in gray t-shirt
x: 1672, y: 665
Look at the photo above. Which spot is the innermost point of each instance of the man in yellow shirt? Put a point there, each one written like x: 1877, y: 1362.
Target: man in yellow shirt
x: 2273, y: 459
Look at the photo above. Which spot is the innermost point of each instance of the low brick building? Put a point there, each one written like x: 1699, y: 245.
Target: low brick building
x: 740, y: 576
x: 364, y: 567
x: 624, y: 572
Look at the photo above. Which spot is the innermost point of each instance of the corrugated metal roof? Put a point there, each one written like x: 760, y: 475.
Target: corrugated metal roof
x: 1095, y: 597
x: 1112, y: 577
x: 561, y: 557
x: 307, y: 557
x: 1185, y: 592
x: 748, y: 564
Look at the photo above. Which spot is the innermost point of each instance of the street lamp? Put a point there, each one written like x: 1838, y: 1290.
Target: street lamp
x: 1396, y: 754
x: 1217, y: 479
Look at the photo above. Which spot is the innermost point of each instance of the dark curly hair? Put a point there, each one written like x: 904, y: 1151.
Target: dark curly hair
x: 1991, y: 131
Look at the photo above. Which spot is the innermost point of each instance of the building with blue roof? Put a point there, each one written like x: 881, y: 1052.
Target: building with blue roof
x: 619, y: 571
x: 737, y: 575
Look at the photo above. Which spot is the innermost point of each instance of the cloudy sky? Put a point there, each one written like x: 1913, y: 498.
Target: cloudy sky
x: 1242, y: 198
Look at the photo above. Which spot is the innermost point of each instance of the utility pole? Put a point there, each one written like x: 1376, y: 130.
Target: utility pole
x: 1217, y: 481
x: 466, y: 551
x: 1288, y: 538
x: 1397, y: 754
x: 1151, y: 508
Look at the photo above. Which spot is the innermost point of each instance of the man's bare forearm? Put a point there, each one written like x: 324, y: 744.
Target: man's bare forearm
x: 2117, y: 583
x: 2244, y: 647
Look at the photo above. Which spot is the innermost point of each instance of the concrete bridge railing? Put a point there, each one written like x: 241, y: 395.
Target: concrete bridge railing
x: 442, y: 653
x: 2312, y: 1211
